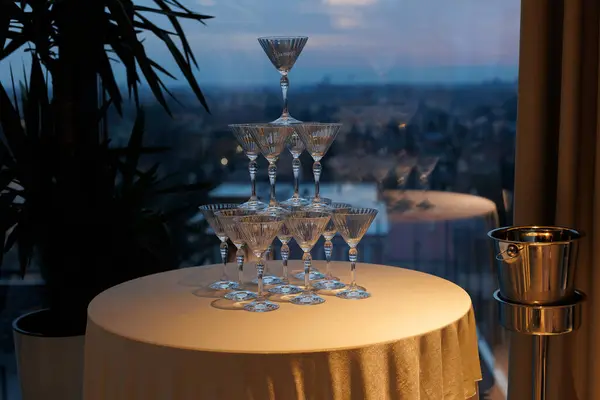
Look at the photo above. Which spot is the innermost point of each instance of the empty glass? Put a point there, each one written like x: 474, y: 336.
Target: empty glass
x: 283, y: 51
x: 352, y: 224
x: 285, y: 237
x: 258, y: 231
x: 271, y: 140
x: 425, y: 166
x: 208, y: 211
x: 405, y: 164
x: 243, y: 134
x: 317, y: 138
x: 306, y: 227
x: 296, y: 146
x: 227, y: 218
x: 331, y: 282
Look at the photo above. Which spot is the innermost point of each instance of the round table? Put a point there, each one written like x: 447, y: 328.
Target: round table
x: 159, y: 337
x: 450, y: 241
x: 448, y: 206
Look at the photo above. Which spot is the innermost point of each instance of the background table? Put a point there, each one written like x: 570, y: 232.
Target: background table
x: 450, y: 241
x: 160, y: 338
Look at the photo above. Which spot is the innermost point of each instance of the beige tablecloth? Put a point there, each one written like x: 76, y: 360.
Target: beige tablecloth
x: 448, y: 206
x: 153, y: 339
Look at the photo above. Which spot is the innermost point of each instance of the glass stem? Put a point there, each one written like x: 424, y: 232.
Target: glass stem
x: 285, y: 254
x: 328, y: 251
x: 260, y: 270
x: 307, y: 263
x: 317, y: 168
x: 353, y: 257
x: 272, y: 176
x: 296, y: 165
x: 253, y: 169
x: 284, y: 82
x: 239, y: 256
x: 402, y: 185
x: 424, y: 185
x: 223, y: 248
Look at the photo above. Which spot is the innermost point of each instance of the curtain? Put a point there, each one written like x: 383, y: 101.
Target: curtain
x: 557, y: 175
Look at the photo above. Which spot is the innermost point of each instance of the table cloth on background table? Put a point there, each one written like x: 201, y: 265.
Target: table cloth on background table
x: 152, y: 338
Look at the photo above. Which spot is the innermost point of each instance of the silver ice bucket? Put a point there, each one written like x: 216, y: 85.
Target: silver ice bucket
x: 535, y: 264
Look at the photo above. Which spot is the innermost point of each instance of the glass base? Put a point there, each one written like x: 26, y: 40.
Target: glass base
x: 307, y: 299
x: 285, y: 289
x: 328, y: 284
x: 240, y: 295
x: 402, y: 205
x: 296, y: 202
x: 353, y: 294
x: 425, y: 205
x: 323, y: 204
x: 313, y: 275
x: 274, y: 211
x: 261, y: 306
x: 224, y: 285
x: 269, y: 280
x: 289, y: 120
x: 253, y: 205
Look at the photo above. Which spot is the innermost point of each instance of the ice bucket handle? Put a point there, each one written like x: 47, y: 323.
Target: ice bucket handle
x: 512, y: 251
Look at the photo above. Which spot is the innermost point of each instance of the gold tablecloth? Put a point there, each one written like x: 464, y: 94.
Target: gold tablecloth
x: 154, y: 339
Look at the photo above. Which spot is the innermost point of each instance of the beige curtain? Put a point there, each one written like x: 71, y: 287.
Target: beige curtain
x: 558, y: 174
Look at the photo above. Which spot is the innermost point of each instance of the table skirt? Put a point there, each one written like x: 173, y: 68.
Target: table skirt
x: 442, y: 364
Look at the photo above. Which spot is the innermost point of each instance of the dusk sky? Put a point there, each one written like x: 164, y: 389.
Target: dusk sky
x: 354, y: 40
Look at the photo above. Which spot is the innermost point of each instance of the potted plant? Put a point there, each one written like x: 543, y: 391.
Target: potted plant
x: 68, y: 200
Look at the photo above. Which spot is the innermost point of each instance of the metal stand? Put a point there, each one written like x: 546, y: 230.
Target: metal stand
x: 540, y: 321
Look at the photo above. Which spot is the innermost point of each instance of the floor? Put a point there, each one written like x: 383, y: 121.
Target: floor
x: 9, y: 384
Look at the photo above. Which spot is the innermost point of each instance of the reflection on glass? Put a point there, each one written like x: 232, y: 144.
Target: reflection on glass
x: 258, y: 231
x: 425, y: 166
x: 283, y: 51
x: 352, y: 224
x: 405, y: 164
x: 306, y: 227
x: 208, y: 211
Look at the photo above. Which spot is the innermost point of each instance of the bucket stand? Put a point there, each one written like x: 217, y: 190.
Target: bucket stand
x: 540, y: 321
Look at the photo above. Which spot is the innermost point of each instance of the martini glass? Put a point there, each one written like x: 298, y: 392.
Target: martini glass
x: 330, y: 282
x: 271, y: 140
x: 425, y: 166
x: 405, y: 164
x: 381, y: 165
x: 227, y: 219
x: 258, y: 231
x: 283, y: 51
x: 352, y: 224
x: 317, y: 138
x: 208, y: 211
x: 285, y: 236
x: 306, y: 228
x: 243, y: 134
x: 296, y: 146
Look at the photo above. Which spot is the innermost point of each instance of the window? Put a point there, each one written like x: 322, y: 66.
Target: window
x: 396, y: 74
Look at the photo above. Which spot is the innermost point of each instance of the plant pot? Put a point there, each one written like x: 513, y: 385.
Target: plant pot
x: 49, y: 357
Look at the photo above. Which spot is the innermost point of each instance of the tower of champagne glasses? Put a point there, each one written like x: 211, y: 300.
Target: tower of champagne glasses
x: 254, y: 224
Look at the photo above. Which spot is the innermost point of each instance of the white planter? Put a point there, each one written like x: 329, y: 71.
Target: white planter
x: 50, y: 367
